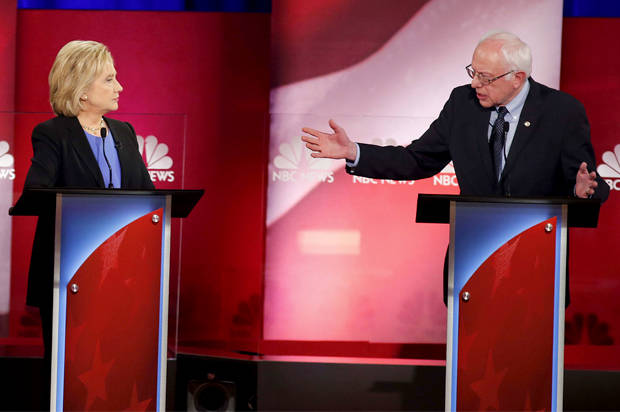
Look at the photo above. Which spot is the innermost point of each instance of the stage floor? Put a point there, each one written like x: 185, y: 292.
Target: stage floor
x: 304, y: 383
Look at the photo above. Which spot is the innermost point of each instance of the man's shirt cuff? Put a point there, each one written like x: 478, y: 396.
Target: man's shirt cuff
x: 357, y: 158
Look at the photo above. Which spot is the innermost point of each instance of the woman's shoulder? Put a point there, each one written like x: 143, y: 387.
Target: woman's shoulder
x: 116, y: 123
x: 120, y: 128
x: 56, y: 123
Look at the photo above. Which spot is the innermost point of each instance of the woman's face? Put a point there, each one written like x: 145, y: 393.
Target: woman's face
x: 102, y: 95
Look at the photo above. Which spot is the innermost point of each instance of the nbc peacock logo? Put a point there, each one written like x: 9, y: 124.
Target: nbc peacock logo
x: 156, y: 157
x: 446, y: 177
x: 610, y: 169
x: 293, y: 163
x: 7, y: 171
x: 369, y: 180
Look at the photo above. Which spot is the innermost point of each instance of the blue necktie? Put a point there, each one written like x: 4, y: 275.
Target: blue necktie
x: 497, y: 142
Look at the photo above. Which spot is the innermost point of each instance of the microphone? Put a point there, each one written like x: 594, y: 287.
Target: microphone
x: 505, y: 140
x: 104, y: 133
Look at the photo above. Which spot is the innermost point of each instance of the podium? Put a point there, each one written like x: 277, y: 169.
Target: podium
x: 506, y: 297
x: 110, y: 313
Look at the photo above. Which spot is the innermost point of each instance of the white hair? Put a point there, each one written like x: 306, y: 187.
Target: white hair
x: 516, y: 52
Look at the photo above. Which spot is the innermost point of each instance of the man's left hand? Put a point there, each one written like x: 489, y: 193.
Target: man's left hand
x: 586, y: 183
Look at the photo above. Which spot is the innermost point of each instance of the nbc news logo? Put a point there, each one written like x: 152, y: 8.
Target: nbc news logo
x: 610, y: 169
x: 157, y: 160
x: 7, y: 172
x: 294, y: 163
x: 368, y: 180
x: 446, y: 177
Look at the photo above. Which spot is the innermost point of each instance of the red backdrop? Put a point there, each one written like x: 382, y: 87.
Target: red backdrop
x: 212, y: 71
x: 590, y: 73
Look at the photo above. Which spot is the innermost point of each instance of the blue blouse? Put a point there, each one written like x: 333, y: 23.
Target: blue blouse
x: 96, y: 144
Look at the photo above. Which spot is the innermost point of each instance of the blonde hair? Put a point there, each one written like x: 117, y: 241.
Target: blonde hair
x: 76, y: 66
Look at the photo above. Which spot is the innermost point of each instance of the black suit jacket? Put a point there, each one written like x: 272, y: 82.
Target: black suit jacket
x: 63, y: 158
x: 551, y: 141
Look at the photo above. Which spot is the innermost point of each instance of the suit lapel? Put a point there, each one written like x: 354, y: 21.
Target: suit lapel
x: 83, y: 149
x: 120, y: 138
x: 481, y: 131
x: 528, y: 122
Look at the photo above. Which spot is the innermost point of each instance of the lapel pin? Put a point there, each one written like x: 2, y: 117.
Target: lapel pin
x: 527, y: 124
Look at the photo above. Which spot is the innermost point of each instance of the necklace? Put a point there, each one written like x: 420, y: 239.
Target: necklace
x: 93, y: 129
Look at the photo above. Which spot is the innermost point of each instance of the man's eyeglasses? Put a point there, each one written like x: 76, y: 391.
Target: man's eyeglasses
x: 484, y: 79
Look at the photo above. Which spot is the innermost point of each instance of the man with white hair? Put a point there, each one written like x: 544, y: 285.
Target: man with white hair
x: 505, y: 133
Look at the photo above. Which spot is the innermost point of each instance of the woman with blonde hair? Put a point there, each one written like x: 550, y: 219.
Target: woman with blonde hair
x: 79, y: 148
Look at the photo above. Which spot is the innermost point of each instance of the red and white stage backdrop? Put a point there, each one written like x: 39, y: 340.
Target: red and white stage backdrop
x: 346, y: 270
x: 345, y: 261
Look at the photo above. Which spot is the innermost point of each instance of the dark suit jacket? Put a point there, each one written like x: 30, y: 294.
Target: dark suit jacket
x: 63, y: 158
x: 551, y: 141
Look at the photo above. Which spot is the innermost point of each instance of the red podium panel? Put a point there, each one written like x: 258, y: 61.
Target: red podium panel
x: 111, y: 272
x: 506, y: 298
x: 516, y: 282
x: 113, y: 322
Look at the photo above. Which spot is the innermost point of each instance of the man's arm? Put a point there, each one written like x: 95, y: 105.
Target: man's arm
x: 422, y: 158
x: 578, y: 156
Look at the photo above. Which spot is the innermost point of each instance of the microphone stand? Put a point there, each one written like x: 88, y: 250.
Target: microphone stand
x: 104, y: 133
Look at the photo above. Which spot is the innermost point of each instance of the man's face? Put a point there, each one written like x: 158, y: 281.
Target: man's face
x: 489, y: 62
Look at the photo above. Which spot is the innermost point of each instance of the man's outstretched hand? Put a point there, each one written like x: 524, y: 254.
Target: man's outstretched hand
x: 335, y: 145
x: 586, y: 183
